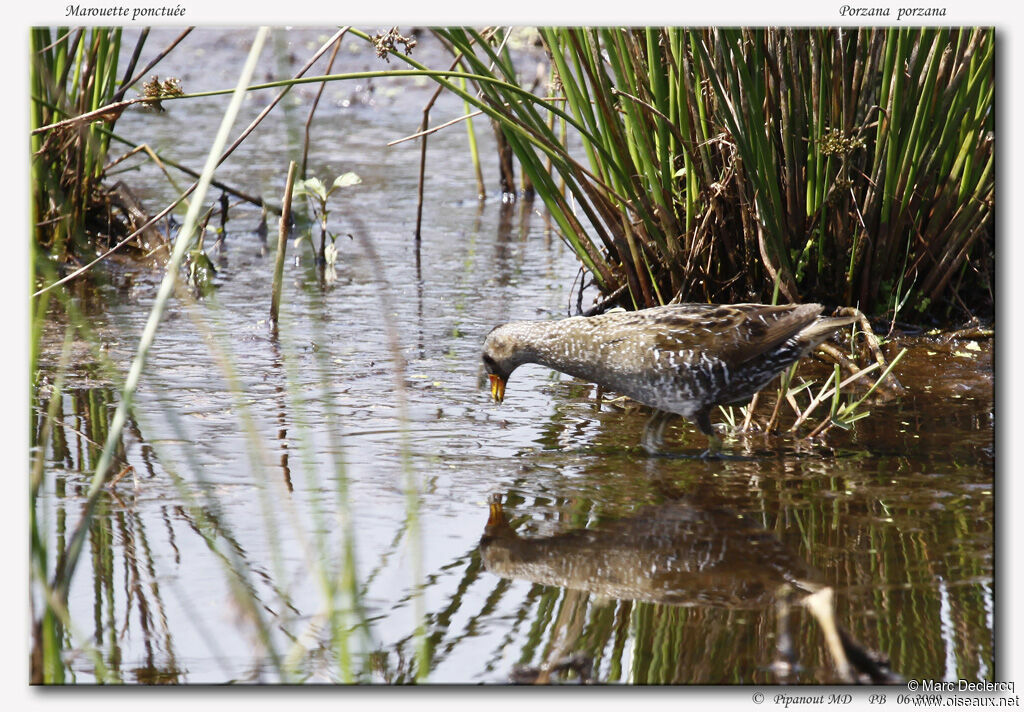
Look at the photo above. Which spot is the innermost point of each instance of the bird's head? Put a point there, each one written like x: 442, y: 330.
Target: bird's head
x: 501, y: 356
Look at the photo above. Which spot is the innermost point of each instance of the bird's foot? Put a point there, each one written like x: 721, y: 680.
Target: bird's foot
x: 714, y: 451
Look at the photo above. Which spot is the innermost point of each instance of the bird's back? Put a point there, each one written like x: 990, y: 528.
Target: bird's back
x: 683, y: 358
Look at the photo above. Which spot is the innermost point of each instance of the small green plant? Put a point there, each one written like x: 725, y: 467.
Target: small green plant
x: 317, y: 195
x: 201, y: 269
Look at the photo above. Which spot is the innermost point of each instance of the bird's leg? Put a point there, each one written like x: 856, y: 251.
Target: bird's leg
x: 714, y: 450
x: 714, y: 442
x: 654, y: 431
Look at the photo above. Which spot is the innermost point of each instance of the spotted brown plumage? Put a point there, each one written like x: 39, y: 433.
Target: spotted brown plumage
x: 681, y: 358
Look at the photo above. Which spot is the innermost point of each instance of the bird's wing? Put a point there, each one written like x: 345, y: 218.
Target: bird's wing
x: 734, y: 333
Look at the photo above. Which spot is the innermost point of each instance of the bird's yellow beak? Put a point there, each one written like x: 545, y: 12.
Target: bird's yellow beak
x: 497, y: 387
x: 496, y: 516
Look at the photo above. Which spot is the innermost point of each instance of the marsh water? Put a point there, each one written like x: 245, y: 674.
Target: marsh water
x: 342, y: 500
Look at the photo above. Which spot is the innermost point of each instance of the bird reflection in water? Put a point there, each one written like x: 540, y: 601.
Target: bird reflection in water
x: 680, y: 554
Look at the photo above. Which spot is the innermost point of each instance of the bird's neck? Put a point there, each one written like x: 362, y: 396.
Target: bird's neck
x: 560, y: 345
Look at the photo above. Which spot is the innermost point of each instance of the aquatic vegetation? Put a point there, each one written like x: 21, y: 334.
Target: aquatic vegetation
x: 725, y: 165
x: 73, y: 72
x: 317, y: 196
x: 53, y: 596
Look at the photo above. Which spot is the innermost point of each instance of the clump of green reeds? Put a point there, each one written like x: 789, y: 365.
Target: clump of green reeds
x: 72, y: 72
x: 847, y: 166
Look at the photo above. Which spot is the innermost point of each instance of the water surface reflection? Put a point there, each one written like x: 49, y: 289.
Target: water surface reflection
x: 680, y: 553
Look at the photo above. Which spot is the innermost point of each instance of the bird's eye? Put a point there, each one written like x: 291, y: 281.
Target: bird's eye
x: 489, y: 363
